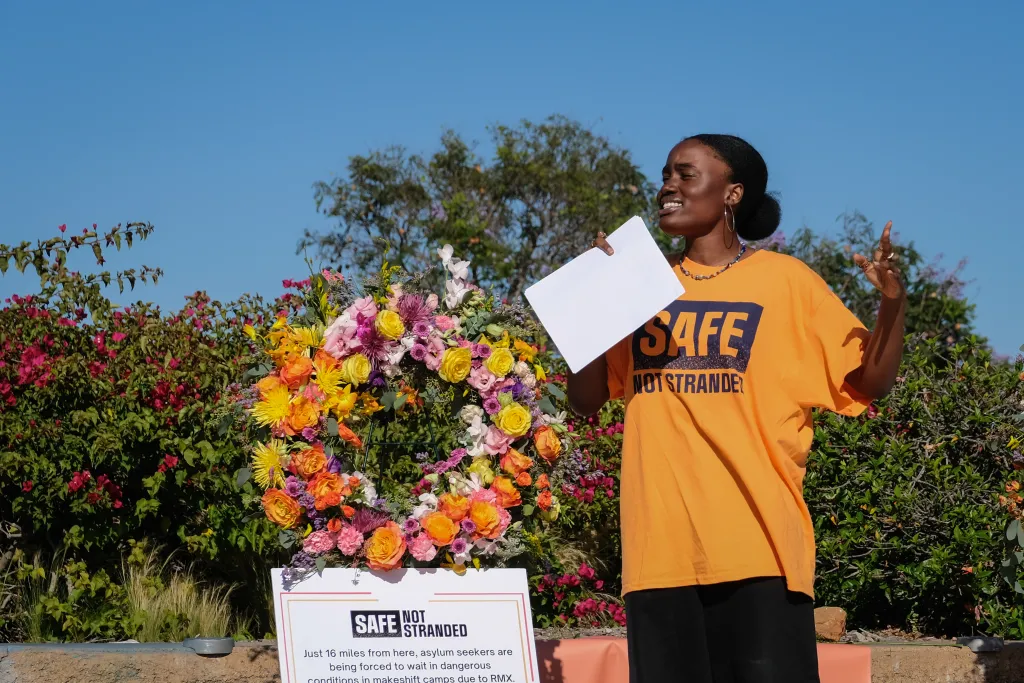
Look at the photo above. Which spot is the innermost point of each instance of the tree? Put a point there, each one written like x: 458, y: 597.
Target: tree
x: 937, y: 307
x: 535, y: 205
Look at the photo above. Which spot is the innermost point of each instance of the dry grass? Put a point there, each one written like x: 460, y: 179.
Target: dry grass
x: 172, y: 606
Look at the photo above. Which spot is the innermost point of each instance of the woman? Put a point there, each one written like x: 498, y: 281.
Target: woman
x: 718, y: 545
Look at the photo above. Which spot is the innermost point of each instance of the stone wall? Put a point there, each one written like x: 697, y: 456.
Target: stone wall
x: 257, y: 663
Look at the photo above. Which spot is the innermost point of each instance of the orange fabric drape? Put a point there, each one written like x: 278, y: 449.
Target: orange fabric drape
x: 605, y: 660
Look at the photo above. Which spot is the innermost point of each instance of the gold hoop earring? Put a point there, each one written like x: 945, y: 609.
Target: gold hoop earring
x: 730, y: 213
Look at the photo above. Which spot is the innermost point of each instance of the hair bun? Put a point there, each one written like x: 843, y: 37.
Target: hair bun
x: 763, y: 221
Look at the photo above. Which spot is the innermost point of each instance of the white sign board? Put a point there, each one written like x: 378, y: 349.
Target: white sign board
x: 596, y: 300
x: 406, y: 626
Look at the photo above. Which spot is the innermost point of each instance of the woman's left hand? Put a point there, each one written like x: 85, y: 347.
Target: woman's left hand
x: 881, y: 270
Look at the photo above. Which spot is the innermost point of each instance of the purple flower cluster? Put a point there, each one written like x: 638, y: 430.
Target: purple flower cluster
x: 449, y: 464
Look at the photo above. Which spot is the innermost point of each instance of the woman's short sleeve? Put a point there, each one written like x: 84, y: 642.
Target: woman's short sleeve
x: 836, y: 341
x: 617, y: 359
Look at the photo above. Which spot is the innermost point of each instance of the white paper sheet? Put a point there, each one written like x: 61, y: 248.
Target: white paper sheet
x: 596, y: 300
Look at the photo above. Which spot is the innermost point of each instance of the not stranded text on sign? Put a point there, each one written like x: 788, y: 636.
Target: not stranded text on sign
x: 406, y: 626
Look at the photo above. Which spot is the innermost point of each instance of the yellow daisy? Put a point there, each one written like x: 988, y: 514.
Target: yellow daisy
x: 274, y: 407
x: 341, y: 402
x: 268, y: 464
x: 327, y: 373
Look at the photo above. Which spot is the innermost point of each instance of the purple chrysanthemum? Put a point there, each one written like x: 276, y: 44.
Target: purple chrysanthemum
x: 367, y: 520
x: 411, y: 526
x: 469, y: 526
x: 374, y: 345
x: 492, y: 405
x: 418, y: 352
x: 294, y: 487
x: 482, y: 351
x: 459, y: 546
x: 421, y: 329
x: 413, y: 308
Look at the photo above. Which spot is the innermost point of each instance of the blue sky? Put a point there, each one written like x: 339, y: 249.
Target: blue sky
x: 212, y: 120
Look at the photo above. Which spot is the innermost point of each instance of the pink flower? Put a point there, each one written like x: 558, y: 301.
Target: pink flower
x: 170, y: 461
x: 318, y: 542
x: 506, y: 518
x: 349, y: 540
x: 418, y: 352
x: 119, y: 336
x: 496, y: 442
x: 585, y: 571
x: 486, y: 495
x: 340, y: 338
x: 363, y: 309
x: 492, y: 406
x: 481, y: 379
x: 443, y: 323
x: 422, y: 548
x: 481, y: 351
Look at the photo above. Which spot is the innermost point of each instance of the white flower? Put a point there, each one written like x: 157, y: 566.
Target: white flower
x: 428, y: 504
x: 463, y: 558
x: 459, y: 269
x: 445, y: 253
x: 455, y: 292
x: 391, y: 369
x: 529, y: 381
x: 485, y: 546
x: 522, y: 369
x: 550, y: 420
x: 471, y: 414
x: 369, y: 491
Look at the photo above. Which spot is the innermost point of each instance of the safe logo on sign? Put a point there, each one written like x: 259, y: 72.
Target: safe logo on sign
x: 401, y: 624
x: 377, y: 624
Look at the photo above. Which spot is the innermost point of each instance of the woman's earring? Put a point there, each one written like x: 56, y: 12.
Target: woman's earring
x: 730, y: 218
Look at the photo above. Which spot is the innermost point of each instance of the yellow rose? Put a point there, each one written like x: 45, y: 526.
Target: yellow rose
x: 281, y: 509
x: 439, y: 528
x: 385, y: 548
x: 356, y: 369
x: 456, y: 364
x: 500, y: 362
x: 390, y: 324
x: 481, y: 467
x: 514, y: 420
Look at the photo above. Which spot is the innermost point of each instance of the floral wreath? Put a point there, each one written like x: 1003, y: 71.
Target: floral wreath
x: 324, y: 373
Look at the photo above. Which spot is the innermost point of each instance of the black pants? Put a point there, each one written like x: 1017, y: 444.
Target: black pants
x: 752, y: 631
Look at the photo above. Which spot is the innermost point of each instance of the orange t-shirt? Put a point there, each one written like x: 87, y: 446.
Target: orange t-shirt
x: 719, y: 389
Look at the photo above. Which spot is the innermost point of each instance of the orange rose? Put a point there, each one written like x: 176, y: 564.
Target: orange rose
x: 385, y: 548
x: 544, y: 500
x: 439, y: 528
x: 353, y: 482
x: 324, y: 483
x: 310, y: 461
x: 348, y: 511
x: 543, y: 482
x: 268, y: 384
x: 281, y: 509
x: 454, y: 506
x: 515, y: 462
x: 329, y: 500
x: 334, y: 525
x: 302, y: 413
x: 506, y: 491
x: 524, y: 479
x: 296, y: 371
x: 485, y: 516
x: 349, y: 436
x: 548, y: 445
